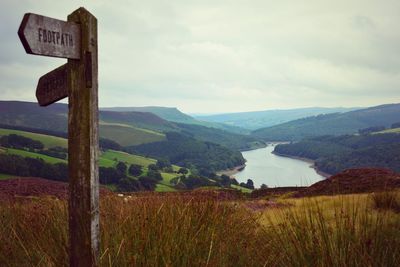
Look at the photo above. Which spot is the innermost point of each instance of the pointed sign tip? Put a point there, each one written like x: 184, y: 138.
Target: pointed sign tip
x: 21, y: 34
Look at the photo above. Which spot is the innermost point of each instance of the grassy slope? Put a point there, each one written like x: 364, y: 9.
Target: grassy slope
x: 6, y: 176
x: 28, y: 154
x: 164, y: 188
x: 107, y: 159
x: 127, y: 135
x: 47, y: 140
x: 243, y: 189
x: 394, y: 130
x: 127, y: 158
x: 164, y: 185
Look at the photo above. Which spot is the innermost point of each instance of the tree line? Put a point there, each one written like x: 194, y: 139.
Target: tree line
x: 186, y: 151
x: 333, y: 154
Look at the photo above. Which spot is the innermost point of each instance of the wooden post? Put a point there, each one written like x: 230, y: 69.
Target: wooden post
x: 83, y: 145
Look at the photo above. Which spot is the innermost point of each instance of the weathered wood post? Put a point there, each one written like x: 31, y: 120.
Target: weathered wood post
x: 83, y: 145
x: 75, y: 40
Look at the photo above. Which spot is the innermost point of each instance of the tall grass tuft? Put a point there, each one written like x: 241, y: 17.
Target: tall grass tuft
x: 174, y: 231
x: 387, y: 200
x: 346, y: 233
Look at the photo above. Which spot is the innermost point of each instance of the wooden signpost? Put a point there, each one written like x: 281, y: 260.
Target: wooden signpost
x: 76, y: 40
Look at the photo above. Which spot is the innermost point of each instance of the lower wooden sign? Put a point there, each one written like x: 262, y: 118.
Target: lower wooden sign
x: 52, y: 86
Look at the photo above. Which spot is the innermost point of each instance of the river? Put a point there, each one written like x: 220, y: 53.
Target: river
x: 263, y: 167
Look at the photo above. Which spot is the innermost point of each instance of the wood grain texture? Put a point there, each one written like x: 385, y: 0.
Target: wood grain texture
x: 52, y: 86
x: 46, y: 36
x: 83, y: 146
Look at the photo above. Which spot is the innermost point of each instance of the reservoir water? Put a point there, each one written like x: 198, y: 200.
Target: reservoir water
x: 263, y: 167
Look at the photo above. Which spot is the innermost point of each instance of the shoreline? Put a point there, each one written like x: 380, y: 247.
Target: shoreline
x: 312, y: 162
x: 233, y: 171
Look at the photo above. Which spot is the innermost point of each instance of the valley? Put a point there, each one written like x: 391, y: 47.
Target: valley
x: 144, y: 136
x: 168, y: 177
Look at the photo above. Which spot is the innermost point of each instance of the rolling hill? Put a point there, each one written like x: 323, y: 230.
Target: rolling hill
x: 166, y: 113
x: 266, y: 118
x: 128, y: 128
x: 175, y: 115
x: 333, y: 154
x: 108, y: 158
x: 331, y: 124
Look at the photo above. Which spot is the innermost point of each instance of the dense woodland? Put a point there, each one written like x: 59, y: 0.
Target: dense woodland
x: 186, y: 151
x: 229, y: 140
x: 333, y: 154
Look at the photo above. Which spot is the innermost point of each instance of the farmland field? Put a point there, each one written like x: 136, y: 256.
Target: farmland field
x: 164, y: 188
x: 394, y: 130
x: 128, y: 135
x: 47, y: 140
x: 127, y: 158
x: 5, y: 176
x: 34, y: 155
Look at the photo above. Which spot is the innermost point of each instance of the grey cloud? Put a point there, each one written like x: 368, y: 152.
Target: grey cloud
x: 226, y: 55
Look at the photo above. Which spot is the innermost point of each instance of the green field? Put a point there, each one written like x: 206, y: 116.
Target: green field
x: 167, y: 177
x: 130, y: 126
x: 107, y: 159
x: 103, y: 162
x: 126, y: 135
x: 6, y: 176
x: 243, y: 189
x: 111, y: 157
x: 114, y: 156
x: 47, y: 140
x: 164, y: 188
x: 28, y: 154
x: 394, y: 130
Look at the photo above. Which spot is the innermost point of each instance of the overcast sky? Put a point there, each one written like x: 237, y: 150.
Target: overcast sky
x: 224, y: 56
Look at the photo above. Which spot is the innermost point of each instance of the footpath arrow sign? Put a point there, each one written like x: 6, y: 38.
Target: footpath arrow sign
x: 46, y: 36
x: 52, y: 86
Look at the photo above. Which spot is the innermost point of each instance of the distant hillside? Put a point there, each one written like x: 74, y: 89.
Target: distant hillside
x: 175, y: 115
x: 222, y: 137
x: 333, y: 154
x: 54, y: 117
x: 260, y: 119
x: 169, y: 114
x: 331, y: 124
x: 28, y: 114
x: 128, y: 128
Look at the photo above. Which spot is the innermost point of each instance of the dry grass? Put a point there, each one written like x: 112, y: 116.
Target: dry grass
x: 333, y: 231
x: 137, y: 231
x: 174, y: 230
x: 387, y: 200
